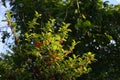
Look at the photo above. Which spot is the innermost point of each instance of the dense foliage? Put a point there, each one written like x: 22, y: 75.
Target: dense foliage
x: 43, y: 56
x: 94, y: 24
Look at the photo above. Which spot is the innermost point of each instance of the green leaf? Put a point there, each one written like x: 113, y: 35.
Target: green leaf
x: 83, y: 16
x: 108, y: 36
x: 8, y: 15
x: 37, y: 14
x: 87, y: 23
x: 13, y: 24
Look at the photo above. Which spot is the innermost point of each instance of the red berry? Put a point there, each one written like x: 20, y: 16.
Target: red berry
x: 9, y: 23
x: 61, y: 42
x: 51, y: 61
x: 37, y: 44
x: 55, y: 56
x: 80, y: 67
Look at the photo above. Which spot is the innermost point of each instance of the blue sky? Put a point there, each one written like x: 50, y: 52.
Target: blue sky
x: 3, y: 9
x: 3, y: 47
x: 113, y: 1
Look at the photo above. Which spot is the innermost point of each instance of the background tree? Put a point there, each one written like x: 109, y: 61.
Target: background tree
x: 94, y: 23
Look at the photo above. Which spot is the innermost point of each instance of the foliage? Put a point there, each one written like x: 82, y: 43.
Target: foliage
x: 95, y: 24
x: 43, y: 56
